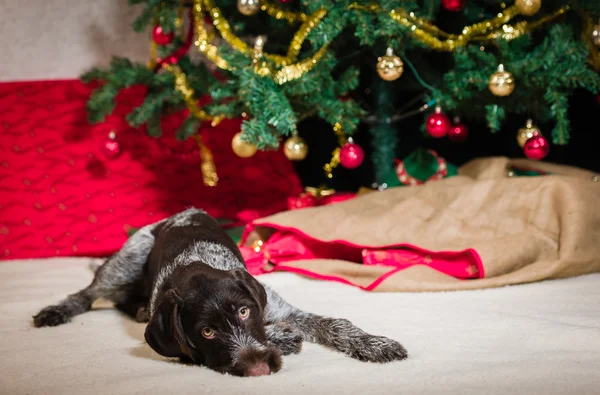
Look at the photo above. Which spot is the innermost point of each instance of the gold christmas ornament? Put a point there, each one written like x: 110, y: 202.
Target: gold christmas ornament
x: 295, y: 148
x: 527, y: 132
x: 242, y: 148
x: 528, y: 7
x: 596, y: 35
x: 390, y: 66
x: 501, y: 83
x: 248, y: 7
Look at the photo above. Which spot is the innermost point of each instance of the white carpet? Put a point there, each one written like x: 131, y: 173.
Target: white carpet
x: 541, y: 338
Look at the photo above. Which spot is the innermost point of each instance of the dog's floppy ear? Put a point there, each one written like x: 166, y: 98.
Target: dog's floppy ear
x: 164, y: 333
x: 252, y: 286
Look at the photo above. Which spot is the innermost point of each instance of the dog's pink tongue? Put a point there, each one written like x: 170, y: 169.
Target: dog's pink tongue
x: 260, y: 369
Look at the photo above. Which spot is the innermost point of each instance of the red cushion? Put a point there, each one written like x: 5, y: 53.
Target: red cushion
x: 60, y: 194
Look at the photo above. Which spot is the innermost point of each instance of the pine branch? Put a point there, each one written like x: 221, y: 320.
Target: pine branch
x: 188, y: 128
x: 494, y: 116
x: 347, y: 81
x: 101, y: 103
x: 153, y: 126
x: 150, y: 108
x: 258, y: 132
x: 559, y: 107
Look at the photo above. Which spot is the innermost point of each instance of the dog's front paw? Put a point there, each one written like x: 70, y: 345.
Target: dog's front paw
x: 52, y: 316
x: 378, y: 349
x: 286, y: 338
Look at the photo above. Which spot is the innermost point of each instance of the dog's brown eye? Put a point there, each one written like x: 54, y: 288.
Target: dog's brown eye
x: 244, y: 312
x: 208, y: 333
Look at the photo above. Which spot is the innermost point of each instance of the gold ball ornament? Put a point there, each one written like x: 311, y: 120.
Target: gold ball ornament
x: 241, y: 147
x: 390, y: 66
x: 295, y: 148
x: 596, y: 35
x: 248, y: 7
x: 502, y: 82
x: 527, y: 132
x: 528, y: 7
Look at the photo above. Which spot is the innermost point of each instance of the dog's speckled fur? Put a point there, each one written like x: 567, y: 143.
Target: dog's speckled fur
x: 147, y: 279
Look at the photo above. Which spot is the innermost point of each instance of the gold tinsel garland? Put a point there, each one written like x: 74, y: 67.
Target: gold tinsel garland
x: 209, y: 172
x: 286, y: 70
x: 430, y: 35
x: 335, y: 155
x: 290, y: 71
x: 222, y: 25
x: 203, y: 39
x: 425, y: 32
x: 278, y: 13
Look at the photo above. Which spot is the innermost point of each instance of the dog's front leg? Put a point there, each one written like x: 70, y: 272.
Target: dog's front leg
x: 285, y: 337
x: 113, y: 280
x: 336, y: 333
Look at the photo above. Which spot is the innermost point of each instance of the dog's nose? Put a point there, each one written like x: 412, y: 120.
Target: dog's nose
x: 258, y: 369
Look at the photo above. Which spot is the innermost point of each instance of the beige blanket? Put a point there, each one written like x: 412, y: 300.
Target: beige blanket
x: 534, y: 339
x: 524, y: 229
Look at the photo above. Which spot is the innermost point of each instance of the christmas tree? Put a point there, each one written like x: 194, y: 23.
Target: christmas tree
x: 276, y: 63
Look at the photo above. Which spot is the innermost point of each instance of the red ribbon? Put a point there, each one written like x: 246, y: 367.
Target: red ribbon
x: 305, y: 200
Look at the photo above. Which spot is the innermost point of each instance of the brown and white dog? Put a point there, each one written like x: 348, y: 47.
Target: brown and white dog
x: 186, y: 277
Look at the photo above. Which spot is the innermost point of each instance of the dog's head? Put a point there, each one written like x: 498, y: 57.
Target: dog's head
x: 215, y: 318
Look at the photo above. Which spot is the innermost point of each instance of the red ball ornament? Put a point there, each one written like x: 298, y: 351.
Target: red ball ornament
x: 537, y: 147
x: 458, y: 132
x: 438, y: 124
x: 454, y: 5
x: 111, y: 147
x: 160, y: 37
x: 351, y: 155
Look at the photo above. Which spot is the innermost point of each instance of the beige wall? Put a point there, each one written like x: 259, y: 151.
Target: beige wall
x: 56, y: 39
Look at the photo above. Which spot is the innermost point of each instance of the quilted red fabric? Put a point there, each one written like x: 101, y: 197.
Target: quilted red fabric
x: 61, y: 195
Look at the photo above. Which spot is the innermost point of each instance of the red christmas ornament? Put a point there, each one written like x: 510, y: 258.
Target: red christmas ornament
x: 438, y: 124
x: 537, y: 147
x: 458, y: 132
x: 351, y: 155
x: 111, y: 147
x: 160, y: 37
x: 454, y: 5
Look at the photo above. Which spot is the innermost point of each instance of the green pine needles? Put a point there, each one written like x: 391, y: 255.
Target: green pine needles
x: 548, y: 64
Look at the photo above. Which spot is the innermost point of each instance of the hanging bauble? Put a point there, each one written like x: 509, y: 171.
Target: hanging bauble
x: 437, y: 124
x: 527, y: 132
x: 501, y: 83
x: 528, y: 7
x: 596, y: 35
x: 351, y: 155
x: 390, y: 66
x: 248, y: 7
x: 241, y: 147
x: 458, y: 132
x: 295, y: 148
x: 111, y: 147
x: 454, y: 5
x: 160, y: 37
x: 537, y: 147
